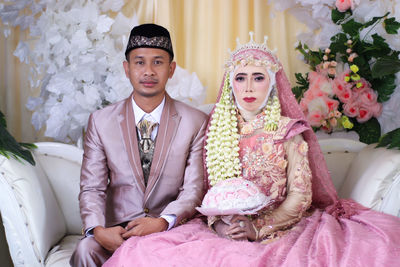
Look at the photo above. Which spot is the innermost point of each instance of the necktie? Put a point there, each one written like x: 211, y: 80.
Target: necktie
x: 146, y: 146
x: 146, y: 128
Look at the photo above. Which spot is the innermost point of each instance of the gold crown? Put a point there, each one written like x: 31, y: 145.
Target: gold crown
x: 254, y: 54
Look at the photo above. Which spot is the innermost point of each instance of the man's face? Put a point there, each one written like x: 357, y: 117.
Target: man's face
x: 148, y: 70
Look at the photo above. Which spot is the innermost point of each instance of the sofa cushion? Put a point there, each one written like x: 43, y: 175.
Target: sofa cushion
x: 64, y: 176
x: 41, y: 213
x: 371, y: 175
x: 61, y: 253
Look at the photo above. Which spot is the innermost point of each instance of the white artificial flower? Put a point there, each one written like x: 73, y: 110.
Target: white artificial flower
x: 104, y: 24
x: 22, y: 52
x: 113, y: 5
x: 318, y: 104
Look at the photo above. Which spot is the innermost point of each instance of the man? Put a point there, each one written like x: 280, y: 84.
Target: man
x: 142, y: 169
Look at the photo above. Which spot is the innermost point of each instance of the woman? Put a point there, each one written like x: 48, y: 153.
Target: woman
x: 257, y: 132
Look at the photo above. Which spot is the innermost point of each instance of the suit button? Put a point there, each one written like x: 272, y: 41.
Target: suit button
x: 146, y: 210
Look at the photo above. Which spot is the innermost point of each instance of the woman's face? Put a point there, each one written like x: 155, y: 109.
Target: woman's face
x: 250, y: 86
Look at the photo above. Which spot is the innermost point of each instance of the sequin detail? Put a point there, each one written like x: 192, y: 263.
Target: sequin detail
x: 158, y: 41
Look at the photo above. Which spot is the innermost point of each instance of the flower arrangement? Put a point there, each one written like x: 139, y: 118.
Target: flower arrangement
x: 351, y: 78
x: 75, y: 58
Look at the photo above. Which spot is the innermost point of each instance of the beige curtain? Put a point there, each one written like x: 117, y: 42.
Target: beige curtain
x: 202, y: 32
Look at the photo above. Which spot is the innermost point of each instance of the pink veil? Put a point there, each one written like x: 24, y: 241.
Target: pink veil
x: 324, y: 193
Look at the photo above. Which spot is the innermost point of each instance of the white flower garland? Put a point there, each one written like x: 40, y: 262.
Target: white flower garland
x: 222, y: 149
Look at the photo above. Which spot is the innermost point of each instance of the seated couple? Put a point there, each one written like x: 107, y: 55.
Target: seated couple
x: 269, y: 201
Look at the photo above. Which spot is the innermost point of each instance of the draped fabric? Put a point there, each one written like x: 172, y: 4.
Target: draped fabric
x: 201, y: 31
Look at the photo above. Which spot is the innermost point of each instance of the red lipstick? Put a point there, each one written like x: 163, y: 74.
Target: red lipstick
x: 249, y: 99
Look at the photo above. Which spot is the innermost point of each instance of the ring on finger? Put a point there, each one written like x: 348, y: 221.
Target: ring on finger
x: 241, y: 224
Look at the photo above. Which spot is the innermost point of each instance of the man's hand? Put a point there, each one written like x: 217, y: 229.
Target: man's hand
x: 109, y: 238
x: 145, y: 226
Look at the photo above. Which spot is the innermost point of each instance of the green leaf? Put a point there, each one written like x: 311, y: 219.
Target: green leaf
x: 369, y: 131
x: 391, y: 25
x: 9, y: 147
x: 390, y: 139
x: 303, y: 83
x: 385, y: 66
x: 337, y: 16
x: 374, y: 19
x: 338, y: 43
x: 384, y: 86
x: 351, y: 27
x: 3, y: 120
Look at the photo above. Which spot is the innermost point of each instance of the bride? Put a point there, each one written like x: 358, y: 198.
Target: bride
x: 257, y: 135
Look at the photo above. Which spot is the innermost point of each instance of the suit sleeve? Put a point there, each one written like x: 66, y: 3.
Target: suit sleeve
x: 192, y: 191
x: 94, y: 179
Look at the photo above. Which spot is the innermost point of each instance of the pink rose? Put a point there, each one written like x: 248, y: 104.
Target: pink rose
x: 331, y: 103
x: 344, y: 5
x: 364, y: 114
x: 315, y: 118
x: 341, y: 88
x: 350, y: 109
x: 376, y: 110
x: 319, y: 83
x: 368, y: 97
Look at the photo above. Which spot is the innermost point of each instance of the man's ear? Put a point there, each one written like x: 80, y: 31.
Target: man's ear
x: 172, y: 67
x: 126, y: 68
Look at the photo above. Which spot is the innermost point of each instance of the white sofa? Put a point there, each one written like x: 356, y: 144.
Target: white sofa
x: 39, y: 205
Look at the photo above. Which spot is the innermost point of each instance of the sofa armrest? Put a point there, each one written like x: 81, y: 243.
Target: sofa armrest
x: 339, y: 154
x: 373, y: 179
x: 39, y: 204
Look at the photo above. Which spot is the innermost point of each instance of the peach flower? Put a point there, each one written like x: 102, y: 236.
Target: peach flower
x: 266, y: 148
x: 333, y: 122
x: 303, y: 148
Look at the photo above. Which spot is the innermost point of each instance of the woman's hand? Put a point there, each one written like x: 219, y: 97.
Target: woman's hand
x: 241, y: 228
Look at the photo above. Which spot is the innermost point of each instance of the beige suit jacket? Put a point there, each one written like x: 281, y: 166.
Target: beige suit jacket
x: 112, y: 183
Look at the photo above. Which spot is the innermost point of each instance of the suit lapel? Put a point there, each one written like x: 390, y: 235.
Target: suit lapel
x: 129, y: 134
x: 166, y: 131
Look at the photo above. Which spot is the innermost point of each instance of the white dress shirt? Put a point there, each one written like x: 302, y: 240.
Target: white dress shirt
x: 154, y: 116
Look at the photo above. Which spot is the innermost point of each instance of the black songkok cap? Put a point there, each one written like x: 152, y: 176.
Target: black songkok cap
x: 151, y: 36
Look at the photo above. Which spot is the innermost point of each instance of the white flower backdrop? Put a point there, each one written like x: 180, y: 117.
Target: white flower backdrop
x: 316, y: 15
x: 75, y: 58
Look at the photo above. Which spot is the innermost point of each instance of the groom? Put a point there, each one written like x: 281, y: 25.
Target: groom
x: 142, y: 169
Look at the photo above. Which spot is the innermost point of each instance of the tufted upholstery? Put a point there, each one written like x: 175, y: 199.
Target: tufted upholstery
x: 39, y: 205
x: 40, y: 211
x: 369, y: 175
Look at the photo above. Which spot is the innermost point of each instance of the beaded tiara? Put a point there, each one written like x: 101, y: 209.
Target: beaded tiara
x: 254, y: 54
